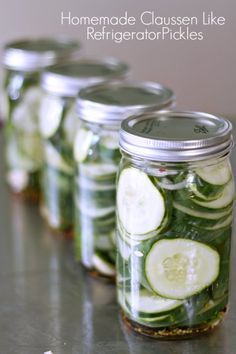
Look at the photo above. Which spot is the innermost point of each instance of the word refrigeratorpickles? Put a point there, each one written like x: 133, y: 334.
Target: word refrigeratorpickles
x: 118, y: 28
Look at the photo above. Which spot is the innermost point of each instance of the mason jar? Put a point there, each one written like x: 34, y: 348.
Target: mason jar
x: 96, y: 152
x: 58, y: 124
x: 175, y: 194
x: 23, y: 62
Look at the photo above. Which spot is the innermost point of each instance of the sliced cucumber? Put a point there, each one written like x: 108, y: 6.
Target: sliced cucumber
x: 103, y: 243
x: 138, y: 238
x: 50, y: 114
x: 201, y: 214
x: 4, y: 106
x: 198, y: 195
x: 82, y: 144
x: 25, y: 114
x: 144, y: 302
x: 223, y: 201
x: 199, y: 222
x: 95, y: 212
x: 180, y: 268
x: 99, y: 171
x: 141, y: 206
x: 124, y: 249
x: 101, y: 264
x: 217, y: 174
x: 54, y: 159
x: 226, y: 222
x: 71, y: 125
x: 24, y: 120
x: 33, y: 97
x: 121, y: 300
x: 93, y: 185
x: 17, y: 179
x: 23, y: 152
x: 110, y: 140
x: 166, y: 183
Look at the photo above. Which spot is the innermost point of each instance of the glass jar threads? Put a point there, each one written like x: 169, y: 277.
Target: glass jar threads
x: 175, y: 195
x: 23, y: 62
x: 96, y: 152
x: 58, y: 125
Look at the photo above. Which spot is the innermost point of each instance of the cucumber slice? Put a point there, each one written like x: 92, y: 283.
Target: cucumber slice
x: 4, y: 106
x: 82, y: 144
x: 124, y: 249
x: 103, y: 243
x: 93, y: 212
x: 200, y: 214
x: 198, y: 195
x: 110, y: 140
x: 70, y: 125
x: 141, y: 207
x: 180, y: 268
x: 199, y: 222
x: 25, y: 114
x: 121, y: 300
x: 166, y: 183
x: 222, y: 224
x: 93, y: 185
x: 23, y: 119
x: 219, y: 174
x: 54, y: 159
x: 103, y: 265
x: 223, y: 201
x: 23, y: 152
x: 99, y: 171
x: 50, y: 114
x: 147, y: 303
x: 33, y: 97
x: 18, y: 180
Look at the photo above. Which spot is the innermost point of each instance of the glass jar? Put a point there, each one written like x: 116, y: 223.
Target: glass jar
x: 58, y: 125
x: 175, y: 193
x: 96, y: 152
x: 23, y: 62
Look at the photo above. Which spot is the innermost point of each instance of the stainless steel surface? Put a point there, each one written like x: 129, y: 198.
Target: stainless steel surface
x: 176, y: 136
x: 110, y: 103
x: 29, y: 55
x: 69, y: 78
x: 48, y: 303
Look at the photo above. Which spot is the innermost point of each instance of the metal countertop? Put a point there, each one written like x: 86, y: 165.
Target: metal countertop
x: 48, y: 303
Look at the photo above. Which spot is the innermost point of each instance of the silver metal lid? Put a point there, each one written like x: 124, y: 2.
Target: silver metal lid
x: 112, y: 102
x: 176, y: 136
x: 36, y: 54
x: 67, y: 79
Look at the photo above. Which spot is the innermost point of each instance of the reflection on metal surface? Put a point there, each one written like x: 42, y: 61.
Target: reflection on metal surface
x: 48, y: 303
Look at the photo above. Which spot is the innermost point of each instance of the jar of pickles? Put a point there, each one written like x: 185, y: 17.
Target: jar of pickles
x: 23, y: 62
x: 175, y: 194
x: 58, y: 125
x: 96, y: 152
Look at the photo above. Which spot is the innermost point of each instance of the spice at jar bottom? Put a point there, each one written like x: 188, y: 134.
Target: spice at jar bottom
x: 175, y: 194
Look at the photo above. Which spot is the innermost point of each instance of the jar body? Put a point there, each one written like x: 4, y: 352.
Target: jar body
x: 174, y: 225
x: 23, y: 149
x: 97, y: 155
x: 58, y: 124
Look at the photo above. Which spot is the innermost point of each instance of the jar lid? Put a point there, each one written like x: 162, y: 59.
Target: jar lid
x: 176, y: 136
x: 112, y: 102
x: 67, y: 79
x: 36, y: 54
